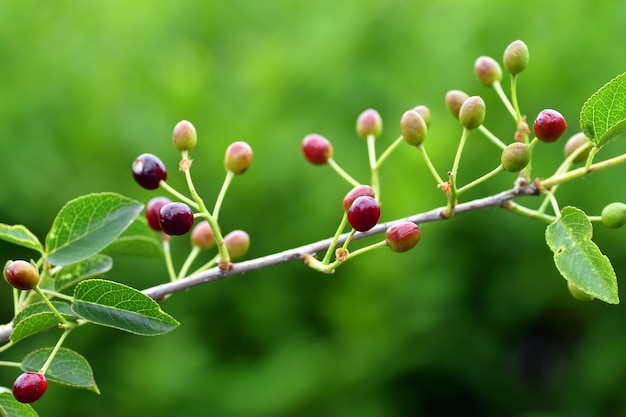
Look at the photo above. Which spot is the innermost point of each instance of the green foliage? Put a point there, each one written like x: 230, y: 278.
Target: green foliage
x: 10, y: 407
x: 603, y: 116
x: 67, y: 367
x: 37, y: 317
x: 20, y: 235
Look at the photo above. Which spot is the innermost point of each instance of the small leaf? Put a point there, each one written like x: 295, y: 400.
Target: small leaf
x: 603, y: 115
x: 116, y: 305
x: 20, y: 235
x: 89, y: 268
x: 88, y: 224
x: 10, y: 407
x: 67, y: 367
x: 578, y: 259
x: 138, y: 240
x: 38, y: 317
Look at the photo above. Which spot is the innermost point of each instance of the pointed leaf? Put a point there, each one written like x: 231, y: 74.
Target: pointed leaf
x: 10, y: 407
x: 603, y: 115
x: 88, y: 224
x: 67, y: 367
x: 578, y: 259
x: 89, y: 268
x: 116, y: 305
x: 20, y: 235
x: 138, y: 240
x: 38, y: 317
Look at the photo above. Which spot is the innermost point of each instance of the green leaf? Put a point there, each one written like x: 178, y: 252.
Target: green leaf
x: 20, y: 235
x: 38, y: 317
x: 10, y: 407
x: 116, y: 305
x: 578, y: 259
x: 88, y: 224
x: 89, y: 268
x: 603, y: 115
x: 67, y: 367
x: 138, y: 240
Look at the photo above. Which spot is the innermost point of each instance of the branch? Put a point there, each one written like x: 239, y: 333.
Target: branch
x: 160, y: 291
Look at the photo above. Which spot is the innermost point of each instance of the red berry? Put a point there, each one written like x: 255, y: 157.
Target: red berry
x: 22, y: 275
x: 317, y: 149
x: 549, y: 126
x: 368, y: 123
x: 237, y: 243
x: 152, y: 211
x: 401, y: 237
x: 238, y: 157
x: 29, y: 387
x: 176, y: 219
x: 364, y: 213
x: 202, y: 236
x: 353, y: 194
x: 148, y: 171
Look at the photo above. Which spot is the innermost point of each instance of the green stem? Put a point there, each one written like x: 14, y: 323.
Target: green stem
x: 480, y: 180
x: 178, y: 195
x: 220, y: 198
x: 342, y: 173
x: 429, y: 164
x: 518, y: 114
x: 491, y: 136
x: 331, y: 248
x: 389, y: 150
x: 206, y: 266
x: 568, y: 176
x: 63, y: 323
x: 371, y: 151
x: 357, y: 252
x: 168, y: 258
x: 12, y: 364
x: 55, y: 350
x: 498, y: 87
x: 58, y: 295
x: 525, y: 211
x: 193, y: 254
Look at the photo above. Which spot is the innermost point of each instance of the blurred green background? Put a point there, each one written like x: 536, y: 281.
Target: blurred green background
x: 476, y: 321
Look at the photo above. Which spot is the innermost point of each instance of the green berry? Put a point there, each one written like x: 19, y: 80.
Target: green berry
x: 202, y: 236
x: 368, y: 123
x: 29, y: 387
x: 184, y: 136
x: 413, y: 128
x: 549, y: 126
x: 401, y: 237
x: 577, y: 293
x: 424, y: 112
x: 614, y: 215
x: 515, y: 157
x: 487, y: 70
x: 577, y: 141
x: 472, y: 112
x: 454, y: 101
x: 515, y: 57
x: 237, y: 243
x: 238, y: 157
x: 317, y: 149
x: 21, y: 275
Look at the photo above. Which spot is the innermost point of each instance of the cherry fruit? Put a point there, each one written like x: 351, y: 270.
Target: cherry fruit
x: 364, y: 213
x: 22, y: 275
x: 515, y: 157
x: 148, y: 171
x: 358, y: 191
x: 184, y: 136
x: 549, y: 126
x: 202, y: 236
x: 176, y: 219
x: 152, y: 211
x: 369, y: 123
x: 29, y: 387
x: 401, y: 237
x: 237, y: 243
x: 317, y: 149
x: 614, y: 215
x: 238, y: 157
x: 472, y: 112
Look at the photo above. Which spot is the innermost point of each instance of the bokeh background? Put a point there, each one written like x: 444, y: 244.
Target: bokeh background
x: 476, y: 321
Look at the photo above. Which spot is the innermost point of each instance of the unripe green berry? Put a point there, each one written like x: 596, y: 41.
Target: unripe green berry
x: 577, y: 293
x: 413, y: 127
x: 184, y: 136
x: 614, y: 215
x: 515, y: 57
x: 424, y: 112
x: 487, y: 70
x: 237, y: 243
x: 202, y: 236
x: 472, y: 112
x: 454, y: 101
x: 401, y: 237
x: 515, y: 157
x: 575, y: 142
x: 238, y: 157
x: 369, y: 123
x: 21, y: 275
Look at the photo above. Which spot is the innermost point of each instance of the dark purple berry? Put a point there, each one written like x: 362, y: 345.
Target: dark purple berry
x: 148, y: 171
x: 176, y: 219
x: 549, y: 126
x: 401, y: 237
x: 364, y: 213
x: 152, y: 211
x: 358, y: 191
x: 317, y: 149
x: 22, y: 275
x: 29, y: 387
x: 202, y: 236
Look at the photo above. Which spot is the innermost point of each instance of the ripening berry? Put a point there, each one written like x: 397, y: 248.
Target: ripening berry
x: 358, y: 191
x: 238, y: 157
x: 202, y: 236
x: 472, y: 112
x: 487, y: 70
x: 614, y: 215
x: 176, y: 219
x: 577, y: 141
x: 152, y: 211
x: 148, y: 171
x: 549, y: 126
x: 401, y: 237
x: 22, y: 275
x: 368, y: 123
x: 237, y: 243
x: 184, y: 136
x: 515, y: 57
x: 29, y: 387
x: 317, y: 149
x: 364, y: 213
x: 515, y: 157
x: 424, y: 112
x: 454, y: 101
x: 413, y: 128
